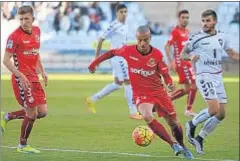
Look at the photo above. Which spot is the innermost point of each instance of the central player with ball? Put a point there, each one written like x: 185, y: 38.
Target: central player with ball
x: 146, y: 67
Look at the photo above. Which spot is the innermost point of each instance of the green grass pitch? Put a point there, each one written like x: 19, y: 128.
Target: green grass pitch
x: 72, y: 133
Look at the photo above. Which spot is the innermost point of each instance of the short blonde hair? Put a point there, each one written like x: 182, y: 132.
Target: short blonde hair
x: 25, y: 9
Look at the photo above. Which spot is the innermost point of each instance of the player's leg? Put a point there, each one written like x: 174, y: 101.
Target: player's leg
x: 109, y: 88
x: 134, y: 114
x: 26, y: 128
x: 182, y: 91
x: 42, y: 111
x: 166, y: 110
x: 177, y: 132
x: 146, y: 111
x: 20, y: 114
x: 176, y: 128
x: 8, y: 116
x: 211, y: 123
x: 208, y: 92
x: 191, y: 90
x: 35, y: 106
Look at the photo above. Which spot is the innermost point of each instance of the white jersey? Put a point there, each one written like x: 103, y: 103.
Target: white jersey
x: 117, y: 34
x: 210, y: 48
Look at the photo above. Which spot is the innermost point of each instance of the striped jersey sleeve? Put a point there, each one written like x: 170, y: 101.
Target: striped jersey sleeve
x: 111, y: 30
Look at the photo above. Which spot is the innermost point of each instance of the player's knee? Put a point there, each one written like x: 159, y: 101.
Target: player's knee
x: 41, y: 115
x: 193, y: 86
x: 187, y: 88
x: 116, y: 86
x: 126, y: 82
x: 118, y: 82
x: 213, y: 111
x: 220, y: 116
x: 213, y: 107
x: 148, y: 117
x: 172, y: 122
x: 32, y: 115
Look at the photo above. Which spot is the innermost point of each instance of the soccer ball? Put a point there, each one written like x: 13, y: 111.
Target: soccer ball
x: 142, y: 136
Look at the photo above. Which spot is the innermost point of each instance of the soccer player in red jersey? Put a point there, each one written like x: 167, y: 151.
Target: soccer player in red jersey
x: 179, y: 37
x: 146, y: 67
x: 23, y: 46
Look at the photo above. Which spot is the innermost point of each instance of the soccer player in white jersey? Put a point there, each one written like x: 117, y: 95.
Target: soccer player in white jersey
x: 205, y: 49
x: 117, y: 34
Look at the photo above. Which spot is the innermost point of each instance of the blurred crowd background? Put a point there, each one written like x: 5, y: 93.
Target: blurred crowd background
x: 70, y: 29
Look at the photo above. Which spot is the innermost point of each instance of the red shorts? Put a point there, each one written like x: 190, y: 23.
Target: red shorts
x: 31, y: 97
x: 162, y: 104
x: 185, y: 73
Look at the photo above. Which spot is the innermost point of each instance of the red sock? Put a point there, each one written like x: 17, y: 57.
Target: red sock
x: 16, y: 114
x: 191, y: 97
x: 159, y: 130
x: 177, y: 94
x: 178, y: 134
x: 26, y: 128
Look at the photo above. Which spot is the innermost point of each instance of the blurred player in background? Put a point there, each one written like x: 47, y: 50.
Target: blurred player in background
x: 146, y: 67
x: 23, y: 46
x: 117, y: 34
x: 205, y: 49
x: 179, y: 37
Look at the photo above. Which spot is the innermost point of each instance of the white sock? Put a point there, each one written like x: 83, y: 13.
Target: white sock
x: 200, y: 117
x: 209, y: 126
x: 129, y: 98
x: 105, y: 91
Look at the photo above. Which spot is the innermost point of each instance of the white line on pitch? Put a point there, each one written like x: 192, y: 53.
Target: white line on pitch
x: 116, y: 153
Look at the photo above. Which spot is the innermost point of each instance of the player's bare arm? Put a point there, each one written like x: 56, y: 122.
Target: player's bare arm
x: 9, y: 65
x: 163, y: 69
x: 233, y: 54
x: 99, y: 47
x: 42, y: 71
x: 185, y: 55
x: 167, y: 49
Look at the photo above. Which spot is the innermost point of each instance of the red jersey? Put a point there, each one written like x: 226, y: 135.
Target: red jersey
x: 145, y: 71
x: 178, y: 39
x: 25, y: 50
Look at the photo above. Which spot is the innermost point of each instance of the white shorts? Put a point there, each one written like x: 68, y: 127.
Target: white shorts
x: 120, y: 68
x: 211, y: 86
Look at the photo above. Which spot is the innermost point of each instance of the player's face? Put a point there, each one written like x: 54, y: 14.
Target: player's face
x: 26, y: 21
x: 122, y: 14
x: 143, y: 40
x: 208, y: 23
x: 184, y: 19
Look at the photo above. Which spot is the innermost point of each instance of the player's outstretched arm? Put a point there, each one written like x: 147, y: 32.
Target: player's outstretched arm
x: 42, y: 71
x: 9, y: 65
x: 163, y: 69
x: 233, y: 54
x: 167, y: 49
x: 185, y: 55
x: 100, y: 59
x: 99, y: 47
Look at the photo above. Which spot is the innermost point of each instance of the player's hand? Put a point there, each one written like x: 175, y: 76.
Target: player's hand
x: 171, y: 87
x: 92, y: 69
x: 45, y: 78
x: 195, y: 58
x: 25, y: 82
